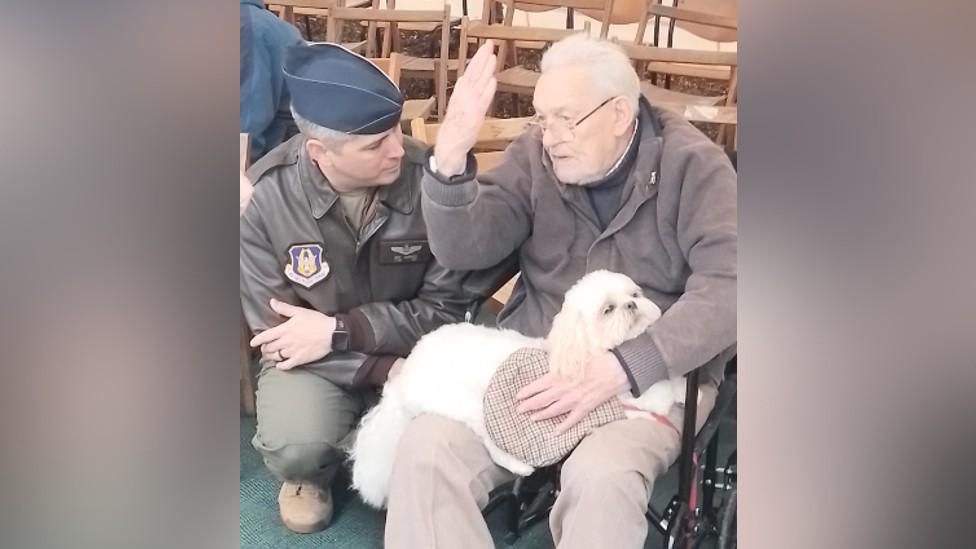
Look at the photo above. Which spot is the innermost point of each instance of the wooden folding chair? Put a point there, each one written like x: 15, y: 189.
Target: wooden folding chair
x: 411, y: 64
x: 717, y: 28
x: 517, y: 79
x: 601, y: 10
x: 494, y: 136
x: 412, y: 108
x: 712, y: 20
x: 719, y: 109
x: 288, y: 9
x: 248, y: 404
x: 441, y: 20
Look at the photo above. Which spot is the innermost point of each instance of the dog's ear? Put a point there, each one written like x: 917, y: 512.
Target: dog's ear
x: 569, y: 342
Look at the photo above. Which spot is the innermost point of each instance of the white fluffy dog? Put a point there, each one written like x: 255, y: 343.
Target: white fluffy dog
x: 450, y: 368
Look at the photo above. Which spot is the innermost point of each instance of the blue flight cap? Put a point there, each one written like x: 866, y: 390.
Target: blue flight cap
x: 338, y: 89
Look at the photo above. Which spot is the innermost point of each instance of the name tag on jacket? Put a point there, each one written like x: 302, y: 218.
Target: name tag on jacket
x: 393, y: 252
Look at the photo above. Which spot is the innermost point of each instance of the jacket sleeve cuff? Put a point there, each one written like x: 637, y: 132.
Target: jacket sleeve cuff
x: 374, y: 371
x: 459, y: 190
x: 361, y: 336
x: 642, y: 362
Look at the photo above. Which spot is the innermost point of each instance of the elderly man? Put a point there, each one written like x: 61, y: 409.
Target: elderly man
x: 337, y: 278
x: 605, y: 181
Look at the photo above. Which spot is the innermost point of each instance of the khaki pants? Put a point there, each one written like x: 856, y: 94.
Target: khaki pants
x: 304, y: 423
x: 443, y: 476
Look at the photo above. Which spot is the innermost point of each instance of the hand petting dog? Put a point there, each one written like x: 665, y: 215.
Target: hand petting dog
x: 551, y: 395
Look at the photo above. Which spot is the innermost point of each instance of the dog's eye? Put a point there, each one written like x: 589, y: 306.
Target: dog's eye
x: 635, y: 295
x: 609, y: 309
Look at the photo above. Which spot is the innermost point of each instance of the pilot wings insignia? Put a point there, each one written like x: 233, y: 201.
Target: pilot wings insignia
x: 406, y: 249
x: 399, y: 252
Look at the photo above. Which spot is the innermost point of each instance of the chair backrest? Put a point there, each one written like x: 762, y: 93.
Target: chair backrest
x: 504, y: 34
x: 338, y: 16
x: 650, y: 54
x: 721, y: 114
x: 624, y: 12
x: 486, y: 161
x: 442, y: 18
x: 390, y: 65
x: 703, y: 18
x: 713, y: 20
x: 495, y: 134
x: 643, y: 53
x: 601, y: 10
x: 287, y: 9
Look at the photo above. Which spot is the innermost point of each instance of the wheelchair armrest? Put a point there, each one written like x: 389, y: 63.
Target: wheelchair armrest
x: 724, y: 402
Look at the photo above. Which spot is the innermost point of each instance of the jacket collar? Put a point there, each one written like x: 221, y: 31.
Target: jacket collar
x: 642, y: 184
x: 321, y: 197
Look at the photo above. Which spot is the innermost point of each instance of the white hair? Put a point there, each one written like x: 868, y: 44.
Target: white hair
x: 611, y: 69
x: 333, y: 139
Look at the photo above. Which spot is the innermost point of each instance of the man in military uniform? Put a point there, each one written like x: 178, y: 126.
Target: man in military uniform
x: 337, y: 278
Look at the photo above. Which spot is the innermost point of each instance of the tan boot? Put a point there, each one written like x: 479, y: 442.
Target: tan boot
x: 304, y: 507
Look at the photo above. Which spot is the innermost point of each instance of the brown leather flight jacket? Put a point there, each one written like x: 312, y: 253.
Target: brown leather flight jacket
x: 297, y: 246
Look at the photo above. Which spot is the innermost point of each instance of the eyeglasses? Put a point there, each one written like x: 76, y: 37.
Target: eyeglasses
x: 563, y: 127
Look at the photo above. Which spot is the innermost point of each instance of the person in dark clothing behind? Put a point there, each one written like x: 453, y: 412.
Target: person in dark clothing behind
x: 264, y: 96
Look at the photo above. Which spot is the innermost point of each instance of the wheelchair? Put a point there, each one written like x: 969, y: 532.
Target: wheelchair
x: 703, y: 510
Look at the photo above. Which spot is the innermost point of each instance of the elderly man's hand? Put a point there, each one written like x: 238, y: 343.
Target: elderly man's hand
x: 551, y: 396
x: 305, y: 337
x: 246, y: 191
x: 466, y: 111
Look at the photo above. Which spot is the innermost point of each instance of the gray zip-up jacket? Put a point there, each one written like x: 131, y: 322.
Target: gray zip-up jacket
x: 297, y: 247
x: 675, y: 235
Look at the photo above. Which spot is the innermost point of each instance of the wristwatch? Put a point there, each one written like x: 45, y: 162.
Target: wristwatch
x: 340, y: 336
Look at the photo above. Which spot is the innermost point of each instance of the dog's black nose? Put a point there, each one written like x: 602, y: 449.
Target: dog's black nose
x: 631, y: 306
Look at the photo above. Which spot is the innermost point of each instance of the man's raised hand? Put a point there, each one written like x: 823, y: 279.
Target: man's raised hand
x: 466, y: 111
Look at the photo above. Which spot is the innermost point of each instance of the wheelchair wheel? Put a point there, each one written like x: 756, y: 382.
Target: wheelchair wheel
x: 726, y: 524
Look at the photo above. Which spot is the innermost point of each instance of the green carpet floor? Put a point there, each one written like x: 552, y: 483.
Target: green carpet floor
x: 356, y: 526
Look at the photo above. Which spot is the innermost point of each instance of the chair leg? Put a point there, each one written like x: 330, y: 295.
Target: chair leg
x: 720, y: 138
x: 308, y: 27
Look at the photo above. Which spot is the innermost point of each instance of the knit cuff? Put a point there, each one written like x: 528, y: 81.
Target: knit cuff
x: 643, y: 363
x: 459, y: 190
x: 361, y: 336
x: 450, y: 195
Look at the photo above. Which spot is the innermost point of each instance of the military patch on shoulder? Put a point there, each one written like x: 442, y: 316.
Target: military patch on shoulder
x: 306, y: 264
x: 404, y: 251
